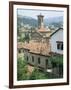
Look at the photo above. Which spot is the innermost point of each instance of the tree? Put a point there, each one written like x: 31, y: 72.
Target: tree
x: 21, y: 69
x: 27, y: 38
x: 57, y: 62
x: 37, y: 74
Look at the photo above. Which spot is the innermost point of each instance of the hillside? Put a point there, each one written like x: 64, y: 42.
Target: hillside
x: 32, y: 22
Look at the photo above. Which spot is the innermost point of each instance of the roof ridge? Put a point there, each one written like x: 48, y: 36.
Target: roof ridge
x: 56, y: 31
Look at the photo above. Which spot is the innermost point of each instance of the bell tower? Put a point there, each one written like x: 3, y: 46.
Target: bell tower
x: 40, y: 21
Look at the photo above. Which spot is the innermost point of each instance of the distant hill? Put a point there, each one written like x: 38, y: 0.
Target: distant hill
x: 25, y: 20
x: 53, y: 20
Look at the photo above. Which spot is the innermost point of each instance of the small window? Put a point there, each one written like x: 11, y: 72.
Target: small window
x: 46, y: 61
x: 60, y: 45
x: 27, y: 58
x: 32, y: 58
x: 38, y: 60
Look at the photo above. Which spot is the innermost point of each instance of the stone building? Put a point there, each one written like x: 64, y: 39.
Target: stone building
x: 37, y: 50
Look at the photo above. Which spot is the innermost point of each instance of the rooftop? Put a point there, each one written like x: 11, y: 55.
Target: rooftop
x: 42, y: 30
x: 38, y: 48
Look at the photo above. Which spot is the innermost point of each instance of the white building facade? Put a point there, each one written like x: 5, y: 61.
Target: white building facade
x: 56, y: 41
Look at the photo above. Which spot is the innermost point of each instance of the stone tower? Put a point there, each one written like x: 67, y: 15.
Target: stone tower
x: 40, y: 21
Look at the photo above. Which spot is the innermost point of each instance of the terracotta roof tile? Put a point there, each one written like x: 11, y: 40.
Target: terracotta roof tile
x: 35, y: 47
x: 42, y: 30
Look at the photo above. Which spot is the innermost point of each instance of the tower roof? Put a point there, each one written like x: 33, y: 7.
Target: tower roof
x: 40, y: 15
x: 42, y: 30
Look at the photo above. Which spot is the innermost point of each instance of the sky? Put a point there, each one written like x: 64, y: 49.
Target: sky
x: 34, y: 13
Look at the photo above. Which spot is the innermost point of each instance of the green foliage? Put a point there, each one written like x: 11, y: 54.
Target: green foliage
x: 57, y: 62
x: 21, y: 39
x: 21, y: 69
x: 27, y: 38
x: 24, y: 37
x: 37, y: 74
x: 58, y: 59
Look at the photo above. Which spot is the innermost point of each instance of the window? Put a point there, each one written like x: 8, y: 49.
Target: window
x: 32, y: 58
x: 19, y: 51
x: 46, y: 63
x: 59, y: 45
x: 38, y: 60
x: 62, y: 47
x: 23, y: 51
x: 27, y: 58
